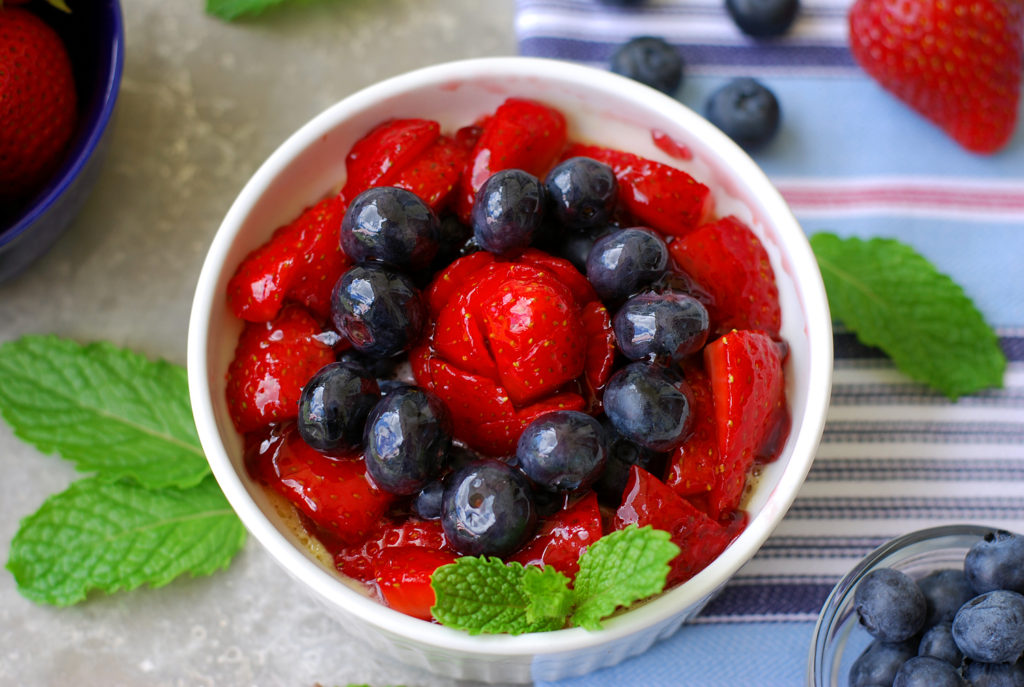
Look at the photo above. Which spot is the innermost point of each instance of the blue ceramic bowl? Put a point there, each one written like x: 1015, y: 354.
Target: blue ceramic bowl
x: 94, y: 36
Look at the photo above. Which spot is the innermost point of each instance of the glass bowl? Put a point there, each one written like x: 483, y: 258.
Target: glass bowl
x: 838, y: 636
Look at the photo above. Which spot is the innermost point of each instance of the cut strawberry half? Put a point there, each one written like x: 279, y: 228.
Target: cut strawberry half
x: 659, y: 196
x: 403, y: 576
x: 358, y: 561
x: 380, y: 155
x: 648, y: 501
x: 692, y: 466
x: 730, y: 265
x: 563, y: 537
x: 521, y: 134
x: 751, y: 417
x: 272, y: 361
x: 434, y: 174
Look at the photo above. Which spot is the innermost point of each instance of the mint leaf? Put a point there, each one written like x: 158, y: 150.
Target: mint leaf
x: 233, y: 9
x: 106, y: 409
x: 548, y: 593
x: 481, y: 594
x: 106, y: 536
x: 894, y: 298
x: 620, y: 568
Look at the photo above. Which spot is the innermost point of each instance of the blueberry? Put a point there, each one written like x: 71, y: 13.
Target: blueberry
x: 622, y: 262
x: 996, y: 562
x: 427, y: 503
x: 487, y: 509
x: 763, y: 18
x: 938, y: 642
x: 563, y: 450
x: 378, y: 310
x: 453, y: 236
x: 622, y: 455
x: 508, y: 211
x: 390, y: 225
x: 651, y: 61
x: 994, y: 674
x: 334, y: 404
x: 649, y: 405
x: 668, y: 325
x: 927, y: 671
x: 746, y: 111
x: 945, y: 591
x: 890, y: 604
x: 581, y: 192
x: 990, y: 627
x: 407, y: 437
x: 879, y: 663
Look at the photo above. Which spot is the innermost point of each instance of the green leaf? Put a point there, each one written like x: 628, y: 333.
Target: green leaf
x: 106, y: 409
x: 481, y: 594
x: 233, y: 9
x: 548, y: 593
x: 894, y: 298
x: 620, y: 568
x: 105, y: 536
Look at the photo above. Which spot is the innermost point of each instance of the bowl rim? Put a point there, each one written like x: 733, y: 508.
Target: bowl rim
x: 73, y: 166
x: 847, y: 583
x: 673, y: 602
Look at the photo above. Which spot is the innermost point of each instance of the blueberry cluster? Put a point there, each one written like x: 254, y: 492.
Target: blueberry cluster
x: 956, y: 628
x: 746, y: 110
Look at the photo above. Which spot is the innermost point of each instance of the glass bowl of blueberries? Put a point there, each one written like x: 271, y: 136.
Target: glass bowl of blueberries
x: 936, y: 607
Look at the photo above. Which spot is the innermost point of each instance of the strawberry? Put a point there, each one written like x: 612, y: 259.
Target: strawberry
x: 272, y: 361
x: 648, y: 501
x: 563, y: 537
x: 434, y: 174
x: 692, y: 466
x: 661, y: 197
x: 380, y: 155
x: 301, y: 262
x: 521, y: 134
x: 731, y: 266
x: 403, y: 577
x: 956, y: 62
x: 358, y: 561
x: 748, y: 389
x: 38, y: 105
x: 333, y: 493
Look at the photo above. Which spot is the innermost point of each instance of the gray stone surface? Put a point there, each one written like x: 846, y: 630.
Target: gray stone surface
x: 202, y: 104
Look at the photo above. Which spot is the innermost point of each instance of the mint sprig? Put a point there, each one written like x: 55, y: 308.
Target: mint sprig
x: 485, y: 595
x: 150, y: 511
x: 107, y: 410
x: 233, y: 9
x: 119, y: 536
x: 893, y: 298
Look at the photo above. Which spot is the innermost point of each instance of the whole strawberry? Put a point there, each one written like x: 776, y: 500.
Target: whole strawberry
x: 37, y: 101
x: 957, y: 62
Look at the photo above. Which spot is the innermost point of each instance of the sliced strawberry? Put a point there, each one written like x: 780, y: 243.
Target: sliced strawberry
x: 659, y: 196
x: 333, y: 493
x: 648, y: 501
x: 300, y: 262
x: 600, y: 346
x: 563, y: 537
x: 535, y: 335
x: 458, y: 337
x: 957, y: 62
x: 521, y: 134
x: 749, y: 394
x: 434, y: 174
x: 382, y: 153
x: 692, y: 466
x: 403, y: 577
x: 454, y: 278
x: 728, y: 262
x: 358, y: 561
x: 471, y: 398
x: 272, y: 361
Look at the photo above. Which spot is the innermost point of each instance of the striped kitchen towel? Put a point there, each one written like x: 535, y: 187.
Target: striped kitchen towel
x: 895, y: 456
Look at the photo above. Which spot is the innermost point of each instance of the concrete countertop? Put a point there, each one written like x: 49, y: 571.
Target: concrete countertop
x: 202, y: 104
